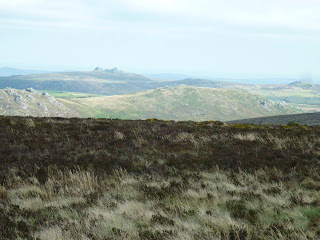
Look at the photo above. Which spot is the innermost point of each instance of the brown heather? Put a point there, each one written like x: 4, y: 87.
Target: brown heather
x: 116, y: 179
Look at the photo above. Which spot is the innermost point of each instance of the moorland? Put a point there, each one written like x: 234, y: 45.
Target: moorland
x: 121, y: 179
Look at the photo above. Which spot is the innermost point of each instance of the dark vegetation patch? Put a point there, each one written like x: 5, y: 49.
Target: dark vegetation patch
x: 167, y: 146
x: 240, y: 209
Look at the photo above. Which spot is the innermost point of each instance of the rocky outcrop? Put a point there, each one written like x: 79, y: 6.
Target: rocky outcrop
x: 115, y: 71
x: 98, y: 69
x: 30, y: 102
x: 112, y: 70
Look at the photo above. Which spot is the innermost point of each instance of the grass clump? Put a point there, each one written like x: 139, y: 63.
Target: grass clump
x: 3, y: 192
x: 239, y: 209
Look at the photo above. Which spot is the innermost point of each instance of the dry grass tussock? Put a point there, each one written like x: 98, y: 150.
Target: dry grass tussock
x: 218, y: 204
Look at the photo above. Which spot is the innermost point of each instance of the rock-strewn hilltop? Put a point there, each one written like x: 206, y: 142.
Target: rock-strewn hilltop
x: 117, y: 72
x: 30, y: 102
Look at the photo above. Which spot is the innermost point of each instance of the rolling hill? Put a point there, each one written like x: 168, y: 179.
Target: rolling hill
x: 150, y: 98
x: 302, y: 94
x: 180, y: 103
x: 194, y: 82
x: 110, y: 82
x: 105, y: 82
x: 29, y: 102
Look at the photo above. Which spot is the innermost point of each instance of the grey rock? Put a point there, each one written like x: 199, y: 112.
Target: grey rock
x: 263, y: 104
x: 98, y: 69
x: 115, y: 71
x: 31, y: 90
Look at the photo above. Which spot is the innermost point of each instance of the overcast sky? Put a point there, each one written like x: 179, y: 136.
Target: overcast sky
x: 268, y: 37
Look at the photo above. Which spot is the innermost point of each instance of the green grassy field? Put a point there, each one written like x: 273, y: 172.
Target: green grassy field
x: 62, y: 94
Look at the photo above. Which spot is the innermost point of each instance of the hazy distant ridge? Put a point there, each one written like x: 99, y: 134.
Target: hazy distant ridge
x: 6, y: 71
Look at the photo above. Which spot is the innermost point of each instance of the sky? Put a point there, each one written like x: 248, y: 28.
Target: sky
x: 199, y: 37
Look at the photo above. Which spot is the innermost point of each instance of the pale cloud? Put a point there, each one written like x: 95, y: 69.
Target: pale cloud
x: 14, y: 4
x: 272, y: 14
x: 44, y: 11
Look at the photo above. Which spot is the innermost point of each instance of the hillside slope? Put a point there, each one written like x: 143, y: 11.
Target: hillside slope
x: 302, y: 94
x: 110, y: 82
x: 180, y: 103
x: 29, y: 102
x: 304, y: 119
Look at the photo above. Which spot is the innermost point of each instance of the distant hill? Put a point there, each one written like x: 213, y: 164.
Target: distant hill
x: 304, y: 119
x: 304, y: 95
x: 304, y: 85
x: 180, y: 103
x: 167, y: 76
x: 29, y: 102
x: 194, y: 82
x: 101, y: 81
x: 105, y: 82
x: 114, y: 81
x: 6, y: 71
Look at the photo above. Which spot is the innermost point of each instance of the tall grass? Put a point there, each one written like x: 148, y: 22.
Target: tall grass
x: 216, y: 204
